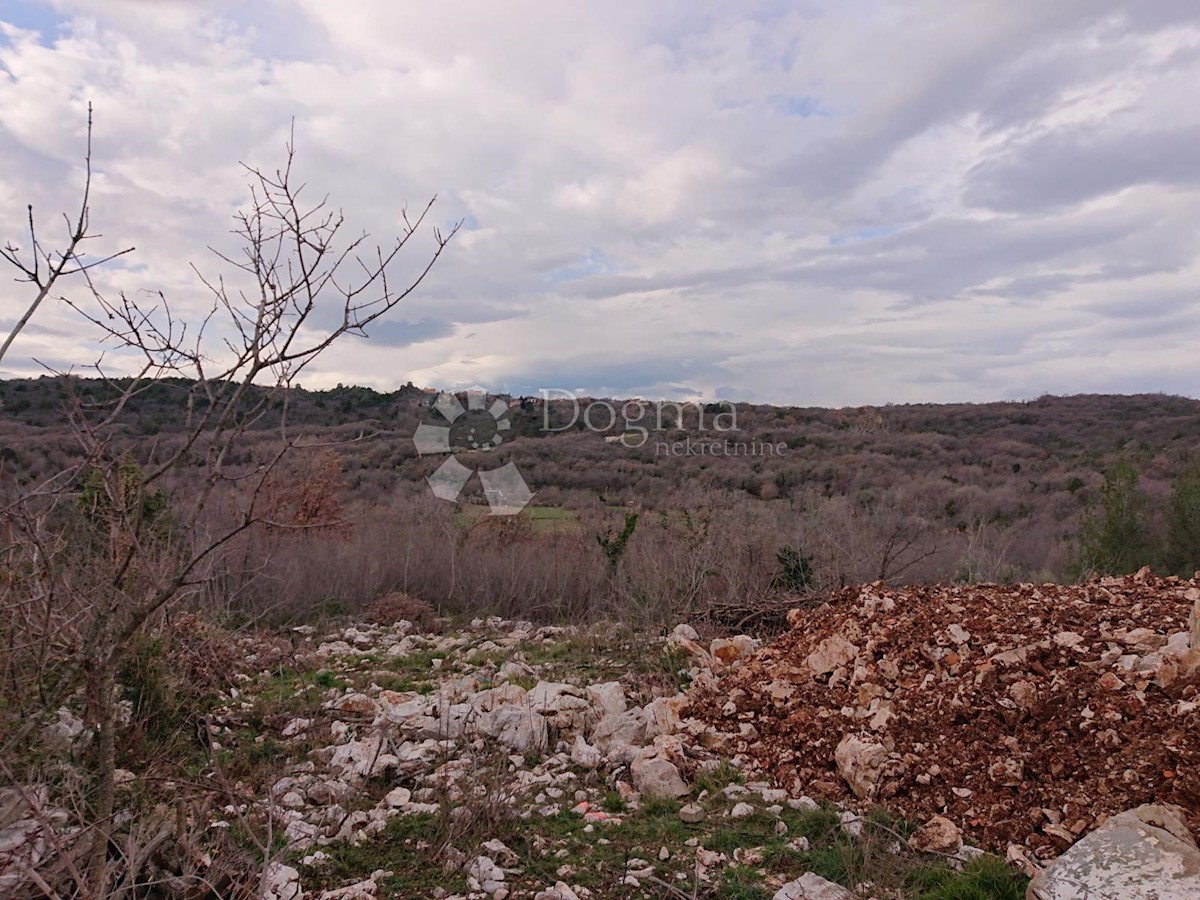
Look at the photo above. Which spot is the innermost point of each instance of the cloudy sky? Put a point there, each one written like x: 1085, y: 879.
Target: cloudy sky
x: 822, y: 203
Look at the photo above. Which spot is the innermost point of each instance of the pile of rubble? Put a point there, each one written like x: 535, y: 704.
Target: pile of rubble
x: 1026, y: 715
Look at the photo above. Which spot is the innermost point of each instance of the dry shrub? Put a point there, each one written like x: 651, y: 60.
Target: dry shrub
x: 399, y: 606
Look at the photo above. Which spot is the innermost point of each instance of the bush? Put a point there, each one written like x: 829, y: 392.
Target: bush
x: 399, y: 606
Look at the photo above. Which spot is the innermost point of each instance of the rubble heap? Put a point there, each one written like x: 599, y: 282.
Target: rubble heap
x: 1024, y: 714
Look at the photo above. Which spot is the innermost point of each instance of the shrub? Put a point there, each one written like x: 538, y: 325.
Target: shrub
x: 399, y: 606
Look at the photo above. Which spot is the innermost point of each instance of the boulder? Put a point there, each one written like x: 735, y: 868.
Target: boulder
x: 628, y: 728
x: 938, y: 835
x: 654, y: 776
x: 1145, y: 853
x: 281, y: 882
x: 811, y: 886
x: 860, y: 761
x: 832, y: 653
x: 729, y: 650
x: 516, y: 728
x: 608, y: 697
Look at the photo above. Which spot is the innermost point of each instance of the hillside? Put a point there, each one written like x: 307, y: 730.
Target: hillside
x: 917, y: 492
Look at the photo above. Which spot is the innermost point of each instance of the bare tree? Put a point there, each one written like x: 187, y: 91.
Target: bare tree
x: 105, y: 547
x: 44, y: 268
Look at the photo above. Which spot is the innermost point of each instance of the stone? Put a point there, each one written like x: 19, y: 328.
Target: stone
x: 362, y: 890
x: 811, y: 886
x: 281, y: 882
x: 691, y: 814
x: 608, y: 697
x: 938, y: 835
x: 727, y: 651
x: 657, y: 777
x: 831, y: 654
x: 741, y: 810
x: 1145, y: 853
x: 584, y: 754
x: 518, y: 729
x: 859, y: 762
x: 628, y: 728
x: 357, y: 703
x: 484, y: 869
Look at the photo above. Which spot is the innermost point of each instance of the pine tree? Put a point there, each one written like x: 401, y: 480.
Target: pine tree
x: 1183, y: 523
x: 1113, y: 539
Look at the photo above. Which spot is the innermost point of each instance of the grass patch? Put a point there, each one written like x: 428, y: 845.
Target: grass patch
x: 719, y: 778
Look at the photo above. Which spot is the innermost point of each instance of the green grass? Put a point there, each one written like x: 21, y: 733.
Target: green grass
x: 719, y: 778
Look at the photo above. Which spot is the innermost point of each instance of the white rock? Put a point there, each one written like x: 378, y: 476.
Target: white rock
x: 520, y: 729
x: 859, y: 762
x: 832, y: 653
x: 938, y: 835
x: 657, y: 777
x: 1146, y: 853
x: 584, y: 754
x: 811, y: 886
x: 608, y: 697
x: 280, y: 882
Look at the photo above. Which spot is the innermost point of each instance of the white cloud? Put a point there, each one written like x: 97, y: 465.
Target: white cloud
x: 821, y: 203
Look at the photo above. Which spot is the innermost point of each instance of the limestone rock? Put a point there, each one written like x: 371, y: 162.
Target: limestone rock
x: 729, y: 650
x: 517, y: 728
x: 938, y: 835
x: 654, y: 776
x: 859, y: 762
x: 1145, y: 853
x: 281, y: 882
x: 628, y: 728
x: 811, y: 886
x: 832, y: 653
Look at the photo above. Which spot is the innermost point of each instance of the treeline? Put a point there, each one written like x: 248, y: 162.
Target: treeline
x: 1125, y: 530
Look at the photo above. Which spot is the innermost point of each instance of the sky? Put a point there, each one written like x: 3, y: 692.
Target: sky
x: 803, y: 203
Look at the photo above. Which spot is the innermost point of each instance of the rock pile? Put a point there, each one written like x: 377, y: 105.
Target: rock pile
x: 1023, y: 714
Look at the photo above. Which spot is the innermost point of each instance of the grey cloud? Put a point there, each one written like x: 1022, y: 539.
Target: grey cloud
x: 1062, y: 169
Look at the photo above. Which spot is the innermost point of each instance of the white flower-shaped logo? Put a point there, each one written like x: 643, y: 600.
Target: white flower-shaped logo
x: 505, y: 489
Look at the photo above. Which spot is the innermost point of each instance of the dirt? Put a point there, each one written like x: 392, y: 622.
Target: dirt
x: 1034, y: 747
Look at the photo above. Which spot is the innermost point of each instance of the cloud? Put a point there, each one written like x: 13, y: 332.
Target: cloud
x: 827, y: 202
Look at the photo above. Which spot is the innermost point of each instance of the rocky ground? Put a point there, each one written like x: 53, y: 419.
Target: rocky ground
x: 504, y: 760
x: 885, y: 747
